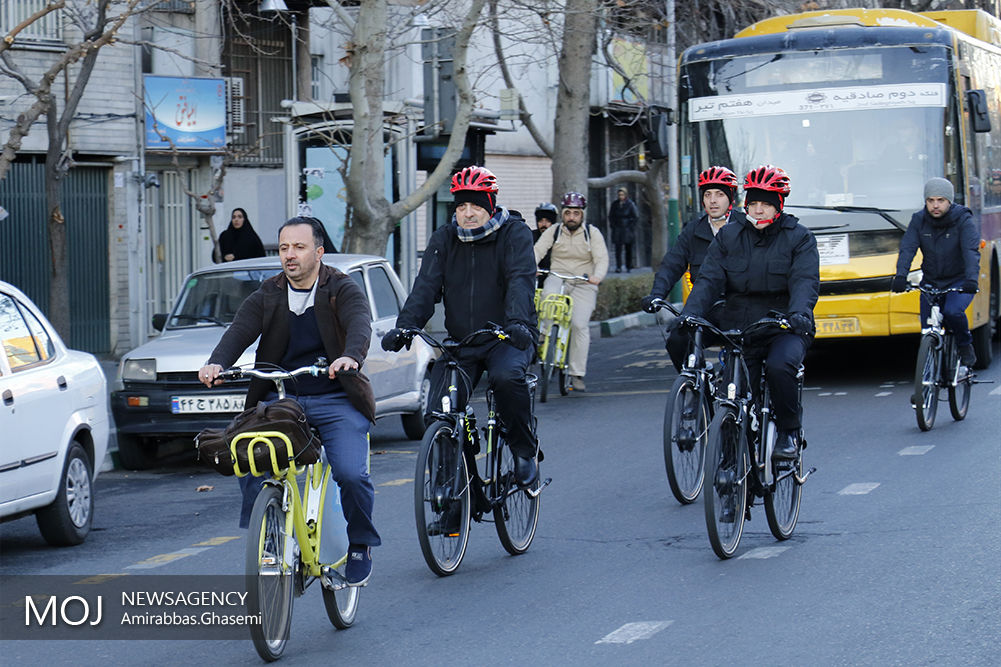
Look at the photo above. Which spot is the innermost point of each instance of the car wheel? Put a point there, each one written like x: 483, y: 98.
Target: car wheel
x: 67, y: 520
x: 413, y: 423
x: 136, y: 453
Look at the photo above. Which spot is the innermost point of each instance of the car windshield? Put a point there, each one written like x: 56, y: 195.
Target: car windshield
x: 212, y: 299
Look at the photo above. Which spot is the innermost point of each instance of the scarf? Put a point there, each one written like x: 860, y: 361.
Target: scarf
x: 492, y: 225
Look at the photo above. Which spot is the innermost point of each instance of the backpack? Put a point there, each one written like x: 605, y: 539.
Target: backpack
x: 285, y: 416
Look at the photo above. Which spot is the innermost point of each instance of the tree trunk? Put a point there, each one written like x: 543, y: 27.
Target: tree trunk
x: 570, y: 147
x: 59, y: 300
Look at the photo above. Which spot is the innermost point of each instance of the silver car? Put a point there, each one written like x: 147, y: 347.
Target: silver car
x: 160, y: 397
x: 54, y: 422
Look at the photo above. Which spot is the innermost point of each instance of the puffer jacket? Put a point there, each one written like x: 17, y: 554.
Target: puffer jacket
x: 488, y: 280
x: 688, y: 253
x: 950, y: 247
x: 777, y: 268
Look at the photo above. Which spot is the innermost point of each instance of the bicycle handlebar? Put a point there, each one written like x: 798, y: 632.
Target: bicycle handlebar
x: 583, y: 278
x: 448, y: 345
x: 736, y: 337
x: 661, y: 303
x: 317, y: 369
x: 932, y: 291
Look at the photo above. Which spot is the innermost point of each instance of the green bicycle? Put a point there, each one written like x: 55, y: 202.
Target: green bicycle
x: 554, y: 322
x: 295, y: 537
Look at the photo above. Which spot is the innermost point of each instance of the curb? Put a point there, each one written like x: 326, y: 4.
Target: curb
x: 616, y: 325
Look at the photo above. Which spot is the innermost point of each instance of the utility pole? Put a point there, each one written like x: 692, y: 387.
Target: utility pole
x: 673, y: 181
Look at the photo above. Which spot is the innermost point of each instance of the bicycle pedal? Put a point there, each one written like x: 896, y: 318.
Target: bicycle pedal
x: 331, y: 579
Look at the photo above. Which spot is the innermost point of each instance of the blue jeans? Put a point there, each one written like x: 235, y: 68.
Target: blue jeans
x: 344, y: 433
x: 953, y: 314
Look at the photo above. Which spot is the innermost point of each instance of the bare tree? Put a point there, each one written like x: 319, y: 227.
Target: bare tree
x: 99, y: 22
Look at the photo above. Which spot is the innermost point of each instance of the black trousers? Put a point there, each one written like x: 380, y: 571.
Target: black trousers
x: 627, y: 250
x: 782, y: 356
x: 506, y: 367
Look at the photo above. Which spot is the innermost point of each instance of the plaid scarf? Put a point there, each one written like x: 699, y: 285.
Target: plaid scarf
x: 492, y: 225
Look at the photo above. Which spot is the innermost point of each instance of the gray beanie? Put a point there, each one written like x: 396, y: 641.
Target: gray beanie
x: 939, y: 187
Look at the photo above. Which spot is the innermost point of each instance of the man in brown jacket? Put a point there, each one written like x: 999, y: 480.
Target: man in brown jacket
x: 308, y: 311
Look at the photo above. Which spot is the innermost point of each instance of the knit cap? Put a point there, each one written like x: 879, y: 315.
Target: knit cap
x: 940, y: 187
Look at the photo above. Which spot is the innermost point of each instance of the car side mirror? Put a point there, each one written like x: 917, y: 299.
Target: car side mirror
x: 976, y: 100
x: 159, y: 320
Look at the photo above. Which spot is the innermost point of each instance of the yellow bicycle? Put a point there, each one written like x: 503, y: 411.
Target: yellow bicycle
x: 554, y: 322
x: 295, y: 537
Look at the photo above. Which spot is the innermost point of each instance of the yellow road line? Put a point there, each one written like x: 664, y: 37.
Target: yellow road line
x: 397, y: 482
x: 216, y: 541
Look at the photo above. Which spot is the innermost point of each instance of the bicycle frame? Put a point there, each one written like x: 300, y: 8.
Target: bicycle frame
x: 556, y: 308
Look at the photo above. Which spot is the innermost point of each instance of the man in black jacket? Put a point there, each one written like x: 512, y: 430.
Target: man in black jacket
x: 622, y: 218
x: 308, y: 311
x: 718, y: 192
x: 950, y: 249
x: 482, y: 265
x: 767, y: 263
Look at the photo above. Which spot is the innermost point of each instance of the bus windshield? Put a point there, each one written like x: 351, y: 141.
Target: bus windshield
x: 851, y: 127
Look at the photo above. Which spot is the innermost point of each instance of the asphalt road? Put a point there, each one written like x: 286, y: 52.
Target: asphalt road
x: 895, y: 559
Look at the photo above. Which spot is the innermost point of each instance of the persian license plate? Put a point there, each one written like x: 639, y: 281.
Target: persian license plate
x: 837, y: 326
x: 197, y: 404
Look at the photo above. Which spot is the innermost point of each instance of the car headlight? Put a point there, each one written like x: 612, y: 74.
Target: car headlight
x: 914, y: 277
x: 139, y: 370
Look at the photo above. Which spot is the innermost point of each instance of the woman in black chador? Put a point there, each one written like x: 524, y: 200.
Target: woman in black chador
x: 239, y: 240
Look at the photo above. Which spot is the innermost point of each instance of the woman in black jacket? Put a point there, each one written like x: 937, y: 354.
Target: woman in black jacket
x: 768, y: 262
x: 239, y: 240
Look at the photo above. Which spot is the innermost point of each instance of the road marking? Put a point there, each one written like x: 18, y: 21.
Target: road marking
x: 888, y: 385
x: 858, y: 489
x: 763, y: 552
x: 812, y: 388
x: 216, y: 541
x: 99, y: 579
x: 163, y: 559
x: 916, y: 450
x: 995, y: 392
x: 824, y: 393
x: 623, y: 393
x: 841, y: 393
x: 631, y: 632
x: 397, y: 482
x: 884, y: 393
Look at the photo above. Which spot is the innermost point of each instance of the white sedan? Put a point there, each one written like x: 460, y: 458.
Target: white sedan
x: 54, y: 421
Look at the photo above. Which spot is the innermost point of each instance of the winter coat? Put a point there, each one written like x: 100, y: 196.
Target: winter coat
x: 777, y: 268
x: 488, y: 280
x: 342, y: 316
x: 950, y: 247
x: 576, y: 253
x: 688, y: 253
x: 622, y: 219
x: 242, y: 243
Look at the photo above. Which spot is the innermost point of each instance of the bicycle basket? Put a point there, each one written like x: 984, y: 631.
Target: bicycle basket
x: 261, y: 440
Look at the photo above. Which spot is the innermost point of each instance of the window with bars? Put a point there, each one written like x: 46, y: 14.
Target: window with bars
x: 45, y: 30
x: 257, y: 52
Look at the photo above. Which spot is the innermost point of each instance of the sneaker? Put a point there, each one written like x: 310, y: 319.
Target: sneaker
x: 577, y: 383
x: 785, y: 447
x: 359, y: 565
x: 967, y: 356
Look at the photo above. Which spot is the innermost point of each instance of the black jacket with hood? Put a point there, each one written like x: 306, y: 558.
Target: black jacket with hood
x: 950, y: 247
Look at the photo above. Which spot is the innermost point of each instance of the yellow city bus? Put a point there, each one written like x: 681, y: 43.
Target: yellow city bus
x: 860, y: 107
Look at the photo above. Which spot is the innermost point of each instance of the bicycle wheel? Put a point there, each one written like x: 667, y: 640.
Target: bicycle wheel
x: 926, y: 384
x: 269, y: 580
x: 686, y: 428
x: 548, y: 364
x: 782, y: 503
x: 341, y: 605
x: 726, y: 467
x: 959, y: 395
x: 518, y: 515
x: 441, y: 499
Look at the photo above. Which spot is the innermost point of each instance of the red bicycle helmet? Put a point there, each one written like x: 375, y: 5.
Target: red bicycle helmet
x: 573, y: 200
x: 768, y: 178
x: 475, y: 178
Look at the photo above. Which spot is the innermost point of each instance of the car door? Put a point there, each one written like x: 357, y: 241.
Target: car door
x: 396, y: 370
x: 32, y: 397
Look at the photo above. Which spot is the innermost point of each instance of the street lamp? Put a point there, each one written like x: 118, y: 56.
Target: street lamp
x: 272, y: 6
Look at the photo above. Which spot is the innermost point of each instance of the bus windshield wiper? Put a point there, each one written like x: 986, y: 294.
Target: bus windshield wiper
x: 883, y: 213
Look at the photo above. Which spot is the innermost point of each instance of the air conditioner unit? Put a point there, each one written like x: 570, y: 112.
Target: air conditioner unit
x: 235, y: 121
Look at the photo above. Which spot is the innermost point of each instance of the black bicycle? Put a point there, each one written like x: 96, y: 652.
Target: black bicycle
x: 938, y: 366
x: 687, y: 416
x: 451, y: 487
x: 738, y: 460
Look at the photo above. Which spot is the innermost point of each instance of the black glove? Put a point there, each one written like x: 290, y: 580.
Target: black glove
x: 969, y: 287
x: 520, y: 336
x: 647, y: 303
x: 395, y: 339
x: 899, y: 284
x: 801, y: 323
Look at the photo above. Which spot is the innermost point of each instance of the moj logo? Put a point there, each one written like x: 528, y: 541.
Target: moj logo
x: 74, y: 610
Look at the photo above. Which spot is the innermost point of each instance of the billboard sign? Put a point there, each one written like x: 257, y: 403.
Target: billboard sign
x: 185, y: 114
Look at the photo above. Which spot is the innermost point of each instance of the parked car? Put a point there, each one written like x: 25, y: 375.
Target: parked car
x: 160, y: 397
x: 55, y: 422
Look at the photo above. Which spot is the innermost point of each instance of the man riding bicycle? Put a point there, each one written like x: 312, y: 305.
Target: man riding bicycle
x: 950, y: 249
x: 576, y: 249
x: 481, y: 265
x: 311, y: 310
x: 718, y: 192
x: 768, y: 262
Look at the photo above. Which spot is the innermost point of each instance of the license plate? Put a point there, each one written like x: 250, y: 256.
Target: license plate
x: 196, y: 404
x: 837, y: 326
